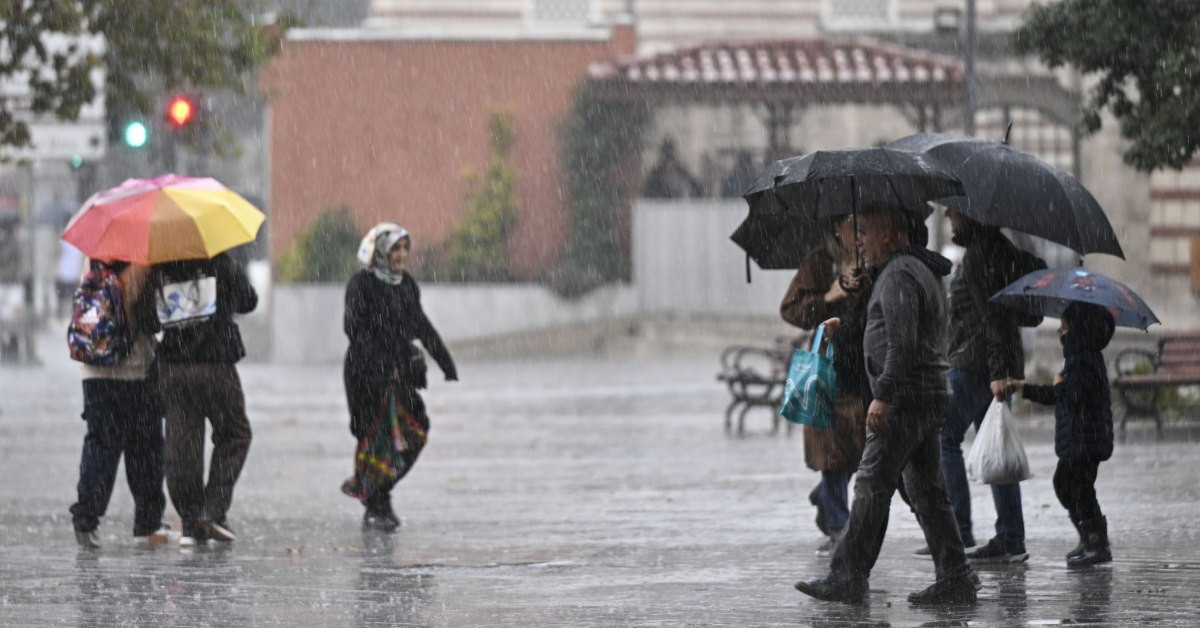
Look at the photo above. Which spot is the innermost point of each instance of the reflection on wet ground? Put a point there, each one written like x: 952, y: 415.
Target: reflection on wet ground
x: 581, y: 493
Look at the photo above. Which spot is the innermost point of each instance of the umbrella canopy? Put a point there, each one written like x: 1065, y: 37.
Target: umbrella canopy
x: 1009, y: 188
x: 1049, y: 292
x: 839, y: 182
x: 792, y: 201
x: 167, y: 218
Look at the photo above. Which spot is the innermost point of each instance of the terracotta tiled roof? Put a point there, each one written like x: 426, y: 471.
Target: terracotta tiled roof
x: 820, y: 61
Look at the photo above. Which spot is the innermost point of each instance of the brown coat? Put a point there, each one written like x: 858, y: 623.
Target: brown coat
x: 804, y: 306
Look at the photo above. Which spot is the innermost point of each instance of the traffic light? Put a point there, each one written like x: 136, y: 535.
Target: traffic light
x: 181, y: 111
x: 135, y: 134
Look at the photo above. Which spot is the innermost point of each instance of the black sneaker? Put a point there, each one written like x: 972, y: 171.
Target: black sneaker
x: 993, y: 552
x: 948, y: 591
x: 832, y: 589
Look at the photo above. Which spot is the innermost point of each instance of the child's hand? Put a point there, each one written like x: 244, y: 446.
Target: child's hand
x: 1058, y: 379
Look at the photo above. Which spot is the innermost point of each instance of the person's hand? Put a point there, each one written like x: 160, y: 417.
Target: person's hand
x: 836, y: 292
x: 853, y: 280
x: 877, y: 416
x: 1058, y: 379
x: 1002, y: 388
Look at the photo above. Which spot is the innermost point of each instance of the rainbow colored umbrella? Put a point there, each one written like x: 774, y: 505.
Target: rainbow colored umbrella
x: 167, y: 218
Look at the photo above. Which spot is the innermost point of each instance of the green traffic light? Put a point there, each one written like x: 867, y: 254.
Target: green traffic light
x: 135, y: 135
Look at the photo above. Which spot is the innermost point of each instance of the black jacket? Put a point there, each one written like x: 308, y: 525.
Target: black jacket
x: 382, y: 321
x: 1083, y: 427
x: 905, y: 339
x: 217, y: 339
x: 984, y: 337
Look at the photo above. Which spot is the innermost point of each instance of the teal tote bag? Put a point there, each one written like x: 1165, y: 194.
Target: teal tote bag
x: 810, y: 394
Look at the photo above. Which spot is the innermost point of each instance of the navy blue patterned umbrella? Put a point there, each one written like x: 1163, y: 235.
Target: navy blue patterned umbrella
x: 1049, y: 292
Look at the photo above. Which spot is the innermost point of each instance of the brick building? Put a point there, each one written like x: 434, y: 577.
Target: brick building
x: 386, y: 122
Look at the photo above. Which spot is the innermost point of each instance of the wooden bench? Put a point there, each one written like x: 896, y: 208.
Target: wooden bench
x: 1142, y: 376
x: 755, y: 377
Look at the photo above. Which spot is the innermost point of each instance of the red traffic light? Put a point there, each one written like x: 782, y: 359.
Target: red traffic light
x: 180, y: 111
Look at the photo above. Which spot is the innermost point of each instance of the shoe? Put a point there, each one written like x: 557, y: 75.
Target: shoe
x: 351, y: 488
x: 1096, y: 549
x: 956, y: 590
x: 830, y: 589
x: 217, y: 531
x: 87, y: 539
x: 826, y: 548
x: 993, y: 552
x: 192, y: 535
x: 378, y: 521
x: 925, y: 552
x: 157, y: 538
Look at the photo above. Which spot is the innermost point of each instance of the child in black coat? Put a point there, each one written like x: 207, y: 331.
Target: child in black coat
x: 1083, y: 431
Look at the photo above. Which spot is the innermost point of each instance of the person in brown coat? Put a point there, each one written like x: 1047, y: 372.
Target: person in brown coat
x: 828, y: 285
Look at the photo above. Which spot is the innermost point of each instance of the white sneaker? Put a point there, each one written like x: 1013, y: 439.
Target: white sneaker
x: 187, y: 542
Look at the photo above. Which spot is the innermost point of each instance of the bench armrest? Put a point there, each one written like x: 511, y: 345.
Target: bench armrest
x: 1132, y: 361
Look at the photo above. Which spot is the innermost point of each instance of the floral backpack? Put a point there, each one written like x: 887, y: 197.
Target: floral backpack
x: 96, y: 334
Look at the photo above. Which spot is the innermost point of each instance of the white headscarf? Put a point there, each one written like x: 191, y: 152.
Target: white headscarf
x: 374, y: 249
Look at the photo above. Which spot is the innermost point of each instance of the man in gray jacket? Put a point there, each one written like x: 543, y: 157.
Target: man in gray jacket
x: 905, y: 347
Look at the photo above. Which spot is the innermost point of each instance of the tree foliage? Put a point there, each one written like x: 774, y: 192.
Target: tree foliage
x: 1146, y: 56
x: 58, y: 48
x: 597, y: 140
x: 477, y: 249
x: 325, y: 252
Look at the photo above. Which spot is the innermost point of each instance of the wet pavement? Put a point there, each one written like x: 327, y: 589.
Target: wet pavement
x: 589, y: 492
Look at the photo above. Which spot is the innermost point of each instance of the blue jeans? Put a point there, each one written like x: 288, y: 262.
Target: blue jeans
x: 832, y: 496
x: 971, y: 394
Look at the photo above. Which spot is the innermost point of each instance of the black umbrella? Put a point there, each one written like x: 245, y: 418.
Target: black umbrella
x: 1009, y: 188
x: 791, y: 198
x: 839, y: 182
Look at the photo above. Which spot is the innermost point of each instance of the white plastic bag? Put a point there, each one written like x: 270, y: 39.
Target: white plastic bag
x: 997, y: 455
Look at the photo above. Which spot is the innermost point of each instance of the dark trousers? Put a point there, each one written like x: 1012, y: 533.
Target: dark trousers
x: 908, y: 451
x: 123, y: 417
x: 971, y: 396
x: 192, y: 393
x: 1075, y: 485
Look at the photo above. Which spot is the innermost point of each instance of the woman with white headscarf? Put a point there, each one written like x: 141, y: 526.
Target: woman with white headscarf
x: 383, y: 369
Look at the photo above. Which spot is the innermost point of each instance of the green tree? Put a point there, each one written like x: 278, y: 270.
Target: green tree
x: 325, y: 252
x: 477, y: 249
x: 597, y: 141
x: 55, y: 46
x: 1146, y: 57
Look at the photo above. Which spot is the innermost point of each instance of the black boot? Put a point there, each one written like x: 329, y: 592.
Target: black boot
x: 1095, y: 550
x: 1082, y: 539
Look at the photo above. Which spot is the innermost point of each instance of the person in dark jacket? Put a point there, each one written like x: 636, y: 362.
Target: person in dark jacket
x: 985, y: 355
x: 198, y: 380
x: 905, y: 358
x: 1083, y: 430
x: 124, y: 417
x: 826, y: 285
x: 383, y: 317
